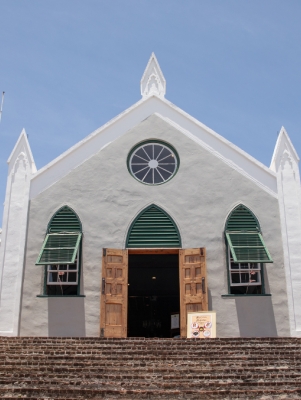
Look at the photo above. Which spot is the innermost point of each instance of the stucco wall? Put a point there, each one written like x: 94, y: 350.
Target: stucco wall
x: 107, y: 198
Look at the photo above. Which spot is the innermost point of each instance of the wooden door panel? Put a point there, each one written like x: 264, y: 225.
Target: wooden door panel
x: 114, y: 296
x: 193, y: 284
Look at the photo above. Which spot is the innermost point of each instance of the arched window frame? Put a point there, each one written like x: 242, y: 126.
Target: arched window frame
x: 61, y: 254
x: 145, y: 233
x: 246, y: 253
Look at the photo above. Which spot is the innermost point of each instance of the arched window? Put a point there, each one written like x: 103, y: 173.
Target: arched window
x: 61, y: 252
x: 246, y: 252
x: 153, y: 227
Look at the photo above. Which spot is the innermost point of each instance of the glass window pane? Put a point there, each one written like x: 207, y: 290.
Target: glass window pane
x: 245, y: 278
x: 165, y: 175
x: 157, y: 150
x: 149, y: 177
x: 141, y: 154
x: 149, y: 150
x: 52, y: 277
x: 138, y: 168
x: 157, y: 177
x: 235, y: 278
x: 254, y: 276
x: 167, y: 167
x: 62, y: 276
x: 72, y: 277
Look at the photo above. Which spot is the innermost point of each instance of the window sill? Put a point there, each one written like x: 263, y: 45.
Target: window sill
x: 62, y: 296
x: 245, y: 295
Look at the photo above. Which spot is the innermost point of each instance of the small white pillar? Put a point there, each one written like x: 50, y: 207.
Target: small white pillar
x: 21, y: 167
x: 285, y: 162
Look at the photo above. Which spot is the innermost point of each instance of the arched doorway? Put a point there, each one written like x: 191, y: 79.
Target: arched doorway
x: 151, y: 280
x: 153, y: 275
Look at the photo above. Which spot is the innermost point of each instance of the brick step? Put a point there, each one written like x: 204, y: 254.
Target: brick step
x: 133, y: 363
x: 192, y: 344
x: 150, y: 342
x: 137, y: 338
x: 76, y: 362
x: 76, y: 351
x: 284, y: 395
x: 76, y: 393
x: 167, y: 352
x: 155, y: 384
x: 138, y: 368
x: 132, y: 376
x: 77, y: 380
x: 160, y: 370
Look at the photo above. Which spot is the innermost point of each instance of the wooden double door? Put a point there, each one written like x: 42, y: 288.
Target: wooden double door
x: 114, y: 287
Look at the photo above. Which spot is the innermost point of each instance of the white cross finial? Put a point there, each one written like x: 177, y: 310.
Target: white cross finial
x: 153, y: 81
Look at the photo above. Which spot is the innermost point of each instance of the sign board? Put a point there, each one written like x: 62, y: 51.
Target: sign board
x: 201, y: 324
x: 175, y: 321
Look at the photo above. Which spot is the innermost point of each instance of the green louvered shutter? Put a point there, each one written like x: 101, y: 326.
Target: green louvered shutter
x: 65, y: 220
x: 153, y: 228
x: 62, y: 240
x: 59, y: 248
x: 242, y: 219
x: 244, y: 237
x: 248, y: 247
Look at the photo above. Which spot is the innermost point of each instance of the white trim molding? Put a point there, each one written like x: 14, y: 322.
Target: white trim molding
x: 285, y: 162
x: 21, y: 167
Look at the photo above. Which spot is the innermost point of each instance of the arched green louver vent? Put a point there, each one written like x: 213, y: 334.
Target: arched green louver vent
x: 153, y: 228
x: 242, y: 219
x: 244, y: 237
x: 64, y: 220
x: 63, y: 238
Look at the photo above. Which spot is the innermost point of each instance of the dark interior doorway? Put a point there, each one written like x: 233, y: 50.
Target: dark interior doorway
x: 154, y: 294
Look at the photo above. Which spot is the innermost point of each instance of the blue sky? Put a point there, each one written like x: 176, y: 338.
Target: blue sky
x: 68, y: 66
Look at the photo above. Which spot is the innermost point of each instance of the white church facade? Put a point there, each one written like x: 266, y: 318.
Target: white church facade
x: 151, y: 215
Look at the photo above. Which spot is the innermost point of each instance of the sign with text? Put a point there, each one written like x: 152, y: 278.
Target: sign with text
x: 201, y: 324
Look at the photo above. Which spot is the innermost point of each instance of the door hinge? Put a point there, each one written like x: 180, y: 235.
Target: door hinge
x: 103, y: 286
x: 203, y: 285
x: 102, y: 332
x: 104, y: 252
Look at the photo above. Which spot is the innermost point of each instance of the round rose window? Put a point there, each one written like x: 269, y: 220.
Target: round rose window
x: 153, y: 163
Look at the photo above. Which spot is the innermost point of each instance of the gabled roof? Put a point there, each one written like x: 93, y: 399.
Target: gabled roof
x: 201, y: 134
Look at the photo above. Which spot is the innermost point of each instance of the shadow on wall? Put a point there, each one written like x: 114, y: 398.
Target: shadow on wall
x: 209, y: 300
x: 256, y: 317
x: 66, y: 316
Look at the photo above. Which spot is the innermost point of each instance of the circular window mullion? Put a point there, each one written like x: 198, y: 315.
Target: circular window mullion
x: 153, y: 163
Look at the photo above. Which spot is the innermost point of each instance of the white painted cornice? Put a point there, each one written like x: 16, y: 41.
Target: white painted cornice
x: 153, y: 81
x: 283, y: 146
x: 131, y: 117
x: 22, y: 146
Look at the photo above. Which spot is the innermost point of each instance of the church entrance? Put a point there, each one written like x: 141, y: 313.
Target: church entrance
x: 141, y: 288
x: 153, y: 294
